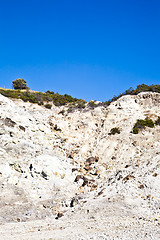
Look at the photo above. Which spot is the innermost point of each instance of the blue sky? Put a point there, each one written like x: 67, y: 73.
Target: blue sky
x: 90, y: 49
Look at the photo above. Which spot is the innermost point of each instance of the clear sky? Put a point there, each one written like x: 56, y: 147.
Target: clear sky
x: 90, y: 49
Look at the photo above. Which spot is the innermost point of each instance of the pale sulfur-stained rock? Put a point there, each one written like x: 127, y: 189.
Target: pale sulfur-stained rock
x: 37, y: 161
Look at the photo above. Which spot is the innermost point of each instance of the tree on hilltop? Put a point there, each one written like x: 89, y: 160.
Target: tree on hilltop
x: 20, y: 83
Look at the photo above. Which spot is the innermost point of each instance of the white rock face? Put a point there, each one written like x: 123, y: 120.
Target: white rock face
x: 44, y: 172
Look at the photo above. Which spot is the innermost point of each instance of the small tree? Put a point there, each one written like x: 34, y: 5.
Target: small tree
x: 20, y: 83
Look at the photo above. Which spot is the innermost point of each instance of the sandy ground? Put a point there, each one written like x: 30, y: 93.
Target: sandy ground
x: 116, y: 221
x: 51, y: 229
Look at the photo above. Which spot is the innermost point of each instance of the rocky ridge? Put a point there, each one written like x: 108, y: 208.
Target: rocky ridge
x: 62, y: 166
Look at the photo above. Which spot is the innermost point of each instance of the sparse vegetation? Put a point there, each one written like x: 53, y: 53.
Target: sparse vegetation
x: 41, y: 98
x: 59, y: 100
x: 131, y: 91
x: 139, y: 89
x: 106, y: 103
x: 81, y: 104
x: 91, y: 104
x: 76, y: 105
x: 114, y: 131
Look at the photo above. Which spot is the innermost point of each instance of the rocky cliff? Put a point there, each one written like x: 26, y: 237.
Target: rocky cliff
x: 60, y: 165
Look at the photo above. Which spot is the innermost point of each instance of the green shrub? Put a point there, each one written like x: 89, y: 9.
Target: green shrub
x: 135, y: 130
x: 48, y: 106
x: 157, y: 122
x: 114, y: 131
x: 62, y: 112
x: 49, y: 92
x: 81, y: 105
x: 40, y: 103
x: 142, y: 124
x: 107, y: 103
x: 149, y: 123
x: 70, y: 109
